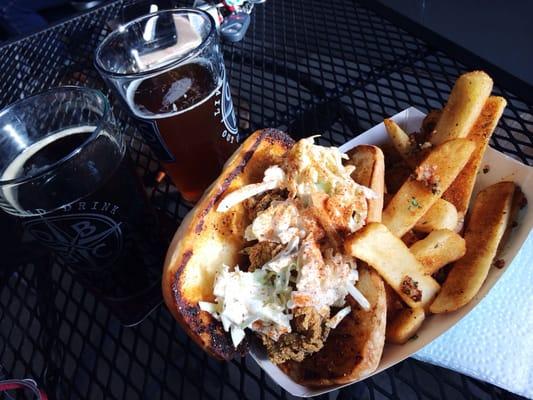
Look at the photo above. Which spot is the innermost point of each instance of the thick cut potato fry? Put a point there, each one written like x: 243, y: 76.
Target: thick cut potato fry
x: 435, y: 174
x: 441, y: 215
x: 401, y: 140
x: 460, y: 190
x: 437, y: 249
x: 369, y: 171
x: 405, y: 144
x: 464, y: 106
x: 485, y: 228
x: 519, y: 202
x: 388, y: 255
x: 405, y: 325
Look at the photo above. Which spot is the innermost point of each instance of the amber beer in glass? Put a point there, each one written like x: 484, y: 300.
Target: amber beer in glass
x: 167, y: 68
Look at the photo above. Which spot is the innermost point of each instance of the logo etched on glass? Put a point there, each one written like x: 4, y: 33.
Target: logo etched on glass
x: 228, y: 112
x: 85, y: 240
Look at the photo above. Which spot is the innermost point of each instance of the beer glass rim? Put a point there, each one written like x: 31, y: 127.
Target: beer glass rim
x: 188, y: 55
x: 67, y: 88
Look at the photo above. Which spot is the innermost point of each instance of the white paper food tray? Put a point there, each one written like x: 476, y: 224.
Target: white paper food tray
x: 501, y: 167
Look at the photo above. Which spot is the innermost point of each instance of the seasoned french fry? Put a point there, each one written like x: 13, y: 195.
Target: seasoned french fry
x: 369, y: 171
x: 388, y: 255
x: 405, y: 144
x: 432, y: 177
x: 486, y: 226
x: 405, y: 325
x: 464, y: 105
x: 441, y: 215
x: 401, y: 140
x: 460, y: 190
x: 437, y: 249
x: 519, y: 201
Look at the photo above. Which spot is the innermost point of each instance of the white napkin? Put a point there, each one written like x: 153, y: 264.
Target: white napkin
x: 494, y: 342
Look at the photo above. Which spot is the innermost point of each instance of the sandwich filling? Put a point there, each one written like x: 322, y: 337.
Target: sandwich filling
x: 295, y: 288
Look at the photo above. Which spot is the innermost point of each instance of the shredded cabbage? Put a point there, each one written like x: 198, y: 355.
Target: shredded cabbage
x: 316, y: 168
x: 242, y: 298
x: 285, y: 257
x: 358, y: 296
x: 211, y: 308
x: 334, y: 321
x: 321, y: 279
x: 272, y: 179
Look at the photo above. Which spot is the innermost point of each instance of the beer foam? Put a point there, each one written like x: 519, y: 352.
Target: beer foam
x: 15, y: 168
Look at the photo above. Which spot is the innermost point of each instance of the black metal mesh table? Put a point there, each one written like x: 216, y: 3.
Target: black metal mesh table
x: 303, y: 68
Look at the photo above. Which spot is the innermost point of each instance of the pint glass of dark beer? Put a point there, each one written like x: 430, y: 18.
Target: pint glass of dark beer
x: 168, y: 70
x: 66, y: 175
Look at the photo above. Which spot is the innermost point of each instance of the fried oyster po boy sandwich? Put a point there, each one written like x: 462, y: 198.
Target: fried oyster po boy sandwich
x: 261, y: 255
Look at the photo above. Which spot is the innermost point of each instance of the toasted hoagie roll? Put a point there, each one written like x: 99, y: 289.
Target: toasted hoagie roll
x: 248, y: 256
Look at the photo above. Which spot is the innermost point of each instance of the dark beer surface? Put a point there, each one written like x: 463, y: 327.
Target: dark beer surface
x: 53, y: 152
x: 58, y: 187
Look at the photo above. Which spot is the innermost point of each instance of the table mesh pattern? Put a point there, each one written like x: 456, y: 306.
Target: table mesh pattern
x: 302, y: 67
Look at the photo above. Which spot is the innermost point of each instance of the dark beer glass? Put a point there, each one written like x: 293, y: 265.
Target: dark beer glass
x: 65, y: 172
x: 167, y: 68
